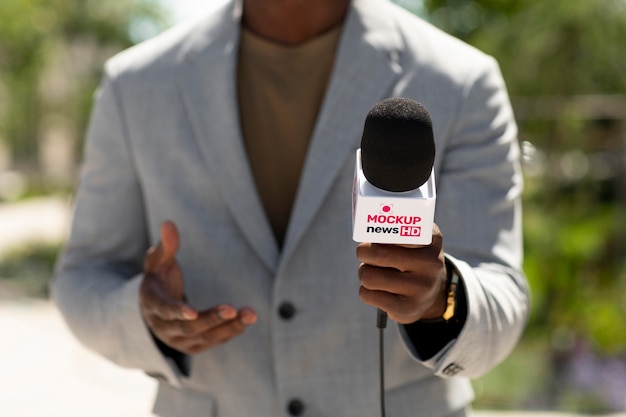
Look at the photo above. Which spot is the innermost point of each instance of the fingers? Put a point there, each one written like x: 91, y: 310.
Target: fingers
x: 392, y: 281
x: 398, y: 308
x: 212, y: 328
x: 404, y: 296
x: 385, y: 256
x: 403, y: 257
x: 407, y: 282
x: 157, y: 301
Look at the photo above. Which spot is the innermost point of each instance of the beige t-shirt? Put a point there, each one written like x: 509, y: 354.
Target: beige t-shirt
x: 280, y: 91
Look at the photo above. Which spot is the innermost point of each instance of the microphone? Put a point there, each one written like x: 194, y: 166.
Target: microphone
x: 393, y: 196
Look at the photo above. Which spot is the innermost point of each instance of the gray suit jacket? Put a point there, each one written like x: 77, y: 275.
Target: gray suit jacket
x: 164, y: 143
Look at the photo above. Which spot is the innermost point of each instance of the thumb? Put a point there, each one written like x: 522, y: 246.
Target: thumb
x: 170, y: 240
x: 164, y: 252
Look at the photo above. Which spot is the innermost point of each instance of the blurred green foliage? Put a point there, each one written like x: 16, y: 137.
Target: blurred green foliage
x: 51, y: 56
x: 564, y: 67
x: 27, y: 270
x: 544, y: 47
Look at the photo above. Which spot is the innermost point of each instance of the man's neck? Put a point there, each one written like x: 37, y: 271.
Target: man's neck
x: 292, y: 22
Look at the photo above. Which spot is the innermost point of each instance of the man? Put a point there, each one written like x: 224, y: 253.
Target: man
x: 227, y: 148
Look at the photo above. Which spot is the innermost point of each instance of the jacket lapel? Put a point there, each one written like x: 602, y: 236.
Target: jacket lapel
x: 365, y: 69
x: 208, y: 85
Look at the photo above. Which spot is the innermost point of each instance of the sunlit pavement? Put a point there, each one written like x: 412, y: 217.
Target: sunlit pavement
x: 38, y: 220
x: 44, y: 372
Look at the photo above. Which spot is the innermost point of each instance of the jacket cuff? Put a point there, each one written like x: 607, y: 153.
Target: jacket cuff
x: 431, y: 341
x: 139, y: 347
x: 429, y: 337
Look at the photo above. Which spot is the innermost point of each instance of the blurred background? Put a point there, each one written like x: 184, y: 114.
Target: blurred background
x: 564, y: 64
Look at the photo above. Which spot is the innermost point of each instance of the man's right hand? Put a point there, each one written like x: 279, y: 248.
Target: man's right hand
x: 166, y: 312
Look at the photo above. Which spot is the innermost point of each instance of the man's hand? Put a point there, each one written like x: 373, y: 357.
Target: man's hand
x: 408, y: 283
x: 165, y: 310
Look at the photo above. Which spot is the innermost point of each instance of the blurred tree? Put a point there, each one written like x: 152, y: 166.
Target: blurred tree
x: 51, y: 54
x: 550, y: 47
x: 564, y: 67
x: 575, y: 49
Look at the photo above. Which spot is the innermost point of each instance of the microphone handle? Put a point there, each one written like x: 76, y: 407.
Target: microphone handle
x: 381, y: 323
x: 381, y: 319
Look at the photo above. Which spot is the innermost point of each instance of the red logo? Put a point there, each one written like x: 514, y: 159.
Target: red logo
x: 386, y: 209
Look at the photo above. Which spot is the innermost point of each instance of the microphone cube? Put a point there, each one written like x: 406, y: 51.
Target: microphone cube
x: 380, y: 216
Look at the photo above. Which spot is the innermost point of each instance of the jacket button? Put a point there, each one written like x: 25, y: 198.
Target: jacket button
x: 286, y: 311
x: 295, y: 407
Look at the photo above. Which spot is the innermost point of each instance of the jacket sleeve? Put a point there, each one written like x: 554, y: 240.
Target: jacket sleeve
x: 479, y: 212
x: 97, y: 277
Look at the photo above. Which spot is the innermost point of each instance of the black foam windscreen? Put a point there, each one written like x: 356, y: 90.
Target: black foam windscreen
x: 398, y: 146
